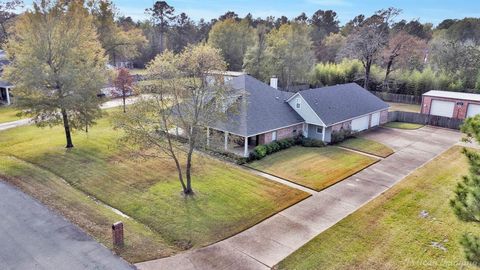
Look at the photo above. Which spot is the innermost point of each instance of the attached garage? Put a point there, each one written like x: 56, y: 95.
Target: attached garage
x: 473, y: 109
x: 361, y: 123
x: 375, y: 121
x: 442, y: 108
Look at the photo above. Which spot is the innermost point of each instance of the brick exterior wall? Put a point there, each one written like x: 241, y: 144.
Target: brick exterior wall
x: 383, y: 117
x: 459, y: 111
x: 281, y: 134
x: 345, y: 125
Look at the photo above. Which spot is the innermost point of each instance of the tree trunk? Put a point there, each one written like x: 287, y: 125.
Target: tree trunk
x: 367, y: 76
x: 387, y: 73
x: 188, y: 174
x: 124, y: 97
x: 66, y: 125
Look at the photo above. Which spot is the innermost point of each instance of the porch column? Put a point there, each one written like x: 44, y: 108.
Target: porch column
x: 8, y: 95
x: 245, y: 151
x: 226, y: 141
x: 323, y: 133
x: 305, y: 131
x: 208, y: 136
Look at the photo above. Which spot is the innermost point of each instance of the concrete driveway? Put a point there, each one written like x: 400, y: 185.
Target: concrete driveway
x: 33, y: 237
x: 269, y: 242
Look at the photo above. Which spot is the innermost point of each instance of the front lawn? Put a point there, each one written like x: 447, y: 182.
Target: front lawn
x: 227, y: 201
x: 316, y: 168
x: 368, y: 146
x: 8, y: 114
x: 411, y: 226
x: 403, y: 125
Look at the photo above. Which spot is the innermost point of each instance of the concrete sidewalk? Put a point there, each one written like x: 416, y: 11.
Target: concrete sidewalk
x: 266, y: 244
x: 33, y: 237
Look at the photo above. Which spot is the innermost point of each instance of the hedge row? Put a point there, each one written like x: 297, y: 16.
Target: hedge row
x: 264, y: 150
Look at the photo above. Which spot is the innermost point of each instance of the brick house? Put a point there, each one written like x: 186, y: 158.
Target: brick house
x: 264, y: 114
x: 450, y: 104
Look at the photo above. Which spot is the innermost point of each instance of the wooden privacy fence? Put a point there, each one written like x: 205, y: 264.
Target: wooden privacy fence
x: 398, y: 98
x: 425, y: 119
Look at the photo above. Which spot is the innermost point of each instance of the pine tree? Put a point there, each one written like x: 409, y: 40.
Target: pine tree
x: 466, y: 204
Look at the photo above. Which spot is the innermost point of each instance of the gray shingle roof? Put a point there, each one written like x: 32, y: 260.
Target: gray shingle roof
x: 334, y: 104
x: 261, y: 108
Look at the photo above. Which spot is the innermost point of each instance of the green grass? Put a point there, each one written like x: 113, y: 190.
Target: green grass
x: 389, y: 233
x: 8, y: 114
x: 227, y: 201
x: 316, y: 168
x: 403, y: 125
x: 368, y: 146
x: 404, y: 107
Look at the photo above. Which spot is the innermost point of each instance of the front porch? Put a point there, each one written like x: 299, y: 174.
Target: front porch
x: 231, y: 143
x: 224, y: 141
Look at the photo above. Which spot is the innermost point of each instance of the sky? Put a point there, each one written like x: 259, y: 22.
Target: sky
x: 433, y: 11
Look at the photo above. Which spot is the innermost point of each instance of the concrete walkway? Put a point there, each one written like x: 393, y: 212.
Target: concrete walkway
x: 33, y: 237
x: 14, y: 124
x: 269, y: 242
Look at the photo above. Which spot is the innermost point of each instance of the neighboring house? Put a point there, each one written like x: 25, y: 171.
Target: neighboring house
x: 451, y: 104
x: 264, y: 114
x: 5, y: 87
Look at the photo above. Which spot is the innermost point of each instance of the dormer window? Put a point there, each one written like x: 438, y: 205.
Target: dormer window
x: 298, y: 103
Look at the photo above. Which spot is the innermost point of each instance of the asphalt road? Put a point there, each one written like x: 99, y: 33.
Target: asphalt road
x: 34, y: 237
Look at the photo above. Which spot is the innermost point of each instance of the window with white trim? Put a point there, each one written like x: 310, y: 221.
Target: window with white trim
x: 274, y: 136
x: 298, y: 103
x: 319, y: 130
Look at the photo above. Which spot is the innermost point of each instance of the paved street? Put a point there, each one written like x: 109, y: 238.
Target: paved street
x: 269, y: 242
x: 33, y: 237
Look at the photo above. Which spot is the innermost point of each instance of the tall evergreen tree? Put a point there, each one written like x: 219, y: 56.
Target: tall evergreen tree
x: 466, y: 203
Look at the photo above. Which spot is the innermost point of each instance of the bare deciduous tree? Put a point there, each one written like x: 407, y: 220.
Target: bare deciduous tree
x: 366, y: 41
x: 182, y: 94
x: 402, y: 50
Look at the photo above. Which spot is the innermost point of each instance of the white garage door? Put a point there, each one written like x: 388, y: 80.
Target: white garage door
x: 473, y: 109
x: 442, y: 108
x: 361, y: 123
x: 375, y: 120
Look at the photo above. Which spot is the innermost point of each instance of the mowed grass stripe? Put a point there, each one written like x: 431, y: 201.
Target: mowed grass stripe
x: 315, y: 168
x: 368, y: 146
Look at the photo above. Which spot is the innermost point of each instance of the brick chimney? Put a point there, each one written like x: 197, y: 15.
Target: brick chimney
x: 274, y: 82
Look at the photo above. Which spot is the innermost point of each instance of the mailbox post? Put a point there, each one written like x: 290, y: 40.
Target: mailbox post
x: 117, y: 233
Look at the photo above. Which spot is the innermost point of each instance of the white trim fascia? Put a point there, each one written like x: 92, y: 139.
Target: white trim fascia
x: 357, y: 117
x: 290, y: 98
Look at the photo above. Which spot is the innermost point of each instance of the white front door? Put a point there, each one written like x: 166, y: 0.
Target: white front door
x: 361, y: 123
x: 442, y: 108
x: 473, y: 109
x: 375, y: 120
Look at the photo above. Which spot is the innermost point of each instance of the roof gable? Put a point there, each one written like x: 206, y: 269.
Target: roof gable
x: 335, y: 104
x: 260, y: 109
